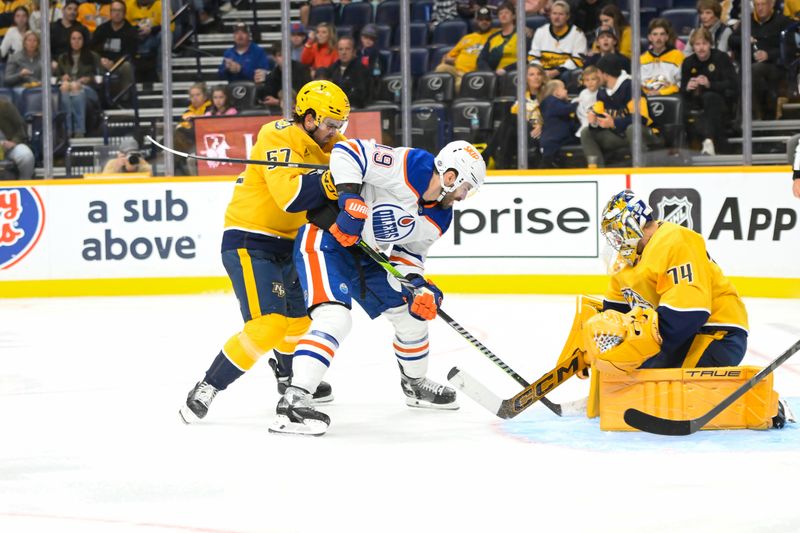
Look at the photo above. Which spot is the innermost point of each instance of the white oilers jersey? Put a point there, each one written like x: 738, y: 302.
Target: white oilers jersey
x: 393, y: 181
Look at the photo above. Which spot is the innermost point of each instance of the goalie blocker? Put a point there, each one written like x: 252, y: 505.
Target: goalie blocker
x: 616, y: 344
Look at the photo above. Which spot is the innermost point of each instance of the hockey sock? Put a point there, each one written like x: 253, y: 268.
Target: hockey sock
x: 412, y: 356
x: 284, y: 363
x: 222, y: 372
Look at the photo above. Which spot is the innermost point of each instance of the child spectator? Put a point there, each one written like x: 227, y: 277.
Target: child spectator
x: 587, y: 97
x: 220, y: 102
x: 559, y: 121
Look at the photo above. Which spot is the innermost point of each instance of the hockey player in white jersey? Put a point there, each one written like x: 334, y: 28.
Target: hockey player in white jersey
x: 399, y: 201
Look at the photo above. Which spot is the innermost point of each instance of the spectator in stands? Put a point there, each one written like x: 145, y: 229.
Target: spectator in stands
x: 145, y: 16
x: 115, y: 41
x: 559, y: 46
x: 767, y: 72
x: 590, y: 78
x: 12, y: 41
x: 13, y: 136
x: 502, y: 147
x: 709, y: 87
x: 76, y: 71
x: 606, y: 45
x: 368, y: 53
x: 129, y: 160
x: 270, y: 92
x: 350, y: 75
x: 24, y: 68
x: 320, y: 48
x: 93, y: 14
x: 241, y: 61
x: 587, y: 13
x: 610, y: 121
x: 298, y: 40
x: 611, y: 18
x: 61, y: 30
x: 708, y: 12
x: 220, y: 102
x: 184, y: 132
x: 661, y: 64
x: 500, y: 51
x: 463, y: 57
x: 560, y: 124
x: 7, y: 10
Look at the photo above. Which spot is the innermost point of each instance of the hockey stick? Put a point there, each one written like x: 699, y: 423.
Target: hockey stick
x: 664, y: 426
x: 526, y: 397
x: 235, y: 160
x: 383, y: 261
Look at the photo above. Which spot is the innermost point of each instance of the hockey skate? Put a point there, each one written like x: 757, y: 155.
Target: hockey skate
x: 784, y: 416
x: 295, y: 415
x: 425, y: 393
x: 197, y: 403
x: 323, y: 394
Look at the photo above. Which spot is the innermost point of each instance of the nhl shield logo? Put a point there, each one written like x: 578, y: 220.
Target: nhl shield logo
x: 680, y: 206
x: 21, y: 223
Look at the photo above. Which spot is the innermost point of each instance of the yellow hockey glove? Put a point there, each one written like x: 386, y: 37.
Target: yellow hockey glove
x: 328, y: 187
x: 620, y: 343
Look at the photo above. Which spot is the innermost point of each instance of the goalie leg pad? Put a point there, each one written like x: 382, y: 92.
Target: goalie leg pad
x: 686, y: 393
x: 586, y: 308
x: 619, y: 343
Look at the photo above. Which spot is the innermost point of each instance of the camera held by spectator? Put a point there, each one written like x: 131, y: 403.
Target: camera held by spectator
x: 129, y: 160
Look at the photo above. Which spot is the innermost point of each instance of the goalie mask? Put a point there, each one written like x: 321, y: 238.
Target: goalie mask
x: 622, y: 221
x: 465, y: 160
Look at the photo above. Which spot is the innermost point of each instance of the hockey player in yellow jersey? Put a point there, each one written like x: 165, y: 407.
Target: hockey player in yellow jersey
x: 685, y: 311
x: 269, y: 205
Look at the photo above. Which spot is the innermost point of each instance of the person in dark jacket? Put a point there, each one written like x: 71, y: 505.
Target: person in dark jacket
x: 708, y: 85
x: 560, y: 124
x: 766, y: 31
x: 348, y: 73
x: 114, y: 41
x: 61, y: 29
x: 269, y: 92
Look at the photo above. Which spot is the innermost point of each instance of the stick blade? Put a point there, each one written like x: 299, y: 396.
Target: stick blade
x: 474, y: 389
x: 656, y: 425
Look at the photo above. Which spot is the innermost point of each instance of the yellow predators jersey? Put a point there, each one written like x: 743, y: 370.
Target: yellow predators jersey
x: 265, y: 208
x: 662, y: 72
x: 467, y: 50
x: 675, y: 272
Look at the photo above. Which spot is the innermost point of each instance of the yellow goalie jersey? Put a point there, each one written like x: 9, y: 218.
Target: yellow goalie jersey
x: 676, y: 276
x: 269, y: 203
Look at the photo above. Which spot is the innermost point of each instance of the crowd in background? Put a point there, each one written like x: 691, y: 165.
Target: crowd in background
x: 578, y: 78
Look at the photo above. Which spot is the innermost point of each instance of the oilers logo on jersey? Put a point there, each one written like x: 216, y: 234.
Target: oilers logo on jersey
x: 634, y: 299
x: 391, y: 223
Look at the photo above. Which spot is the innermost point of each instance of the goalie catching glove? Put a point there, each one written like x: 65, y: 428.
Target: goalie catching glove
x: 350, y: 220
x: 621, y: 343
x: 424, y: 300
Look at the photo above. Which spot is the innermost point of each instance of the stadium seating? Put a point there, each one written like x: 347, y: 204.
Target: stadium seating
x: 356, y: 14
x: 437, y: 53
x: 430, y: 126
x: 683, y: 20
x: 478, y: 85
x: 449, y: 32
x: 421, y: 11
x: 322, y: 13
x: 417, y: 32
x: 435, y: 87
x: 507, y: 84
x: 243, y: 94
x: 471, y: 120
x: 388, y: 12
x: 667, y: 114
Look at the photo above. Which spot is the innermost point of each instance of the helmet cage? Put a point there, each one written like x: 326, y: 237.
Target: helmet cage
x: 623, y: 219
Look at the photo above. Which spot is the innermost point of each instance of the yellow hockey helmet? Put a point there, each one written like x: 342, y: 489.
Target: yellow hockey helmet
x: 325, y: 99
x: 622, y: 221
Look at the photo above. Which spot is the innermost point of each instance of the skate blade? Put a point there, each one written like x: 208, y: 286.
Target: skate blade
x: 422, y: 404
x: 324, y: 399
x: 284, y: 426
x: 187, y: 415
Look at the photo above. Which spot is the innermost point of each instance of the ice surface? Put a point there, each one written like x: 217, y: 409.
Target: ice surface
x: 91, y: 441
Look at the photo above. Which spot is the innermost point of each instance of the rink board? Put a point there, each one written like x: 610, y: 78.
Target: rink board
x: 525, y: 232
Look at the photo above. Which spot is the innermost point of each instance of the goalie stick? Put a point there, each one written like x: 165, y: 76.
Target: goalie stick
x: 235, y: 160
x: 664, y: 426
x: 383, y: 261
x: 526, y: 397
